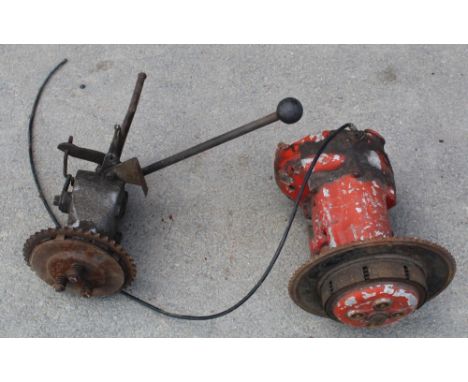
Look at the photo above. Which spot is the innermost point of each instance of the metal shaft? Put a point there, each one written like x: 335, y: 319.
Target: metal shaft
x: 125, y: 127
x: 220, y: 139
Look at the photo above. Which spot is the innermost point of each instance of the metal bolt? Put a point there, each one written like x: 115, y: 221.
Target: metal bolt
x: 75, y: 273
x: 397, y: 314
x: 354, y: 315
x: 86, y: 292
x: 382, y: 304
x: 60, y: 283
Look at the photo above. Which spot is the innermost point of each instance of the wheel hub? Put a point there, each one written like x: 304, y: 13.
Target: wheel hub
x: 83, y: 262
x: 374, y: 282
x: 375, y: 304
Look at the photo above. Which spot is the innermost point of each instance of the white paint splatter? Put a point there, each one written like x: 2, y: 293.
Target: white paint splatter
x: 327, y: 212
x: 358, y: 210
x: 374, y: 159
x: 306, y: 161
x: 323, y: 158
x: 368, y: 295
x: 326, y: 193
x: 350, y: 301
x: 317, y: 138
x: 353, y: 229
x: 332, y: 242
x: 388, y: 288
x: 412, y: 300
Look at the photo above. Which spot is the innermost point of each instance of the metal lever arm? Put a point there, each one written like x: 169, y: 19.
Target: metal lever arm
x: 125, y: 127
x: 82, y: 153
x: 289, y: 111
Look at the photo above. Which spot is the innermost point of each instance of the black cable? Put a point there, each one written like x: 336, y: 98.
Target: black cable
x: 265, y: 274
x: 30, y: 143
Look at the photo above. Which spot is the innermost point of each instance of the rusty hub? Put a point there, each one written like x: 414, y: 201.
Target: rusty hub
x: 373, y: 282
x: 84, y: 262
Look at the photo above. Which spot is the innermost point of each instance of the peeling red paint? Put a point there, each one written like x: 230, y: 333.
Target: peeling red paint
x: 349, y: 210
x: 349, y: 207
x: 380, y: 303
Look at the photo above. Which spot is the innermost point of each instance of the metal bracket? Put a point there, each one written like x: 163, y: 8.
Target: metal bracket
x: 130, y: 172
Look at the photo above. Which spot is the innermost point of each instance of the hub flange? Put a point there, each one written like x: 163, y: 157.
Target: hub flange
x: 372, y: 266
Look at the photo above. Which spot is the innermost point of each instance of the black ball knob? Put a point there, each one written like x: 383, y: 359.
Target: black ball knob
x: 289, y: 110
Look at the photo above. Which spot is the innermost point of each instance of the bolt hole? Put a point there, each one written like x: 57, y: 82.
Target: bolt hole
x: 291, y: 187
x: 330, y: 286
x: 407, y: 274
x: 365, y: 272
x: 356, y: 315
x: 382, y: 304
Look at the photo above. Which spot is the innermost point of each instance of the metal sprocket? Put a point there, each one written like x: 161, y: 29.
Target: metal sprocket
x: 89, y: 242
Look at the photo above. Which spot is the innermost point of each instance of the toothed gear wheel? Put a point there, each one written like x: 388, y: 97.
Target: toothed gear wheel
x: 85, y: 262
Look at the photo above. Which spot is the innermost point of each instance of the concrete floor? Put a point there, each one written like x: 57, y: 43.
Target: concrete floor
x: 227, y: 213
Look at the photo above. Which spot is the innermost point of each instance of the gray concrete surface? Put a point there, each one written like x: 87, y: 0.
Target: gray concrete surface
x: 227, y: 212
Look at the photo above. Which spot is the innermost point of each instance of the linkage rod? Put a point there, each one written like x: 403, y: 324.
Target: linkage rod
x: 125, y: 127
x: 220, y: 139
x: 289, y: 111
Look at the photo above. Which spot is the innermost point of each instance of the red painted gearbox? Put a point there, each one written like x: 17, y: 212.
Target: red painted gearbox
x: 347, y: 200
x: 348, y: 197
x: 359, y: 273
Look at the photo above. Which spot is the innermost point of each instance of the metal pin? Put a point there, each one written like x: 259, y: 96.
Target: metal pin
x: 75, y: 273
x: 60, y: 283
